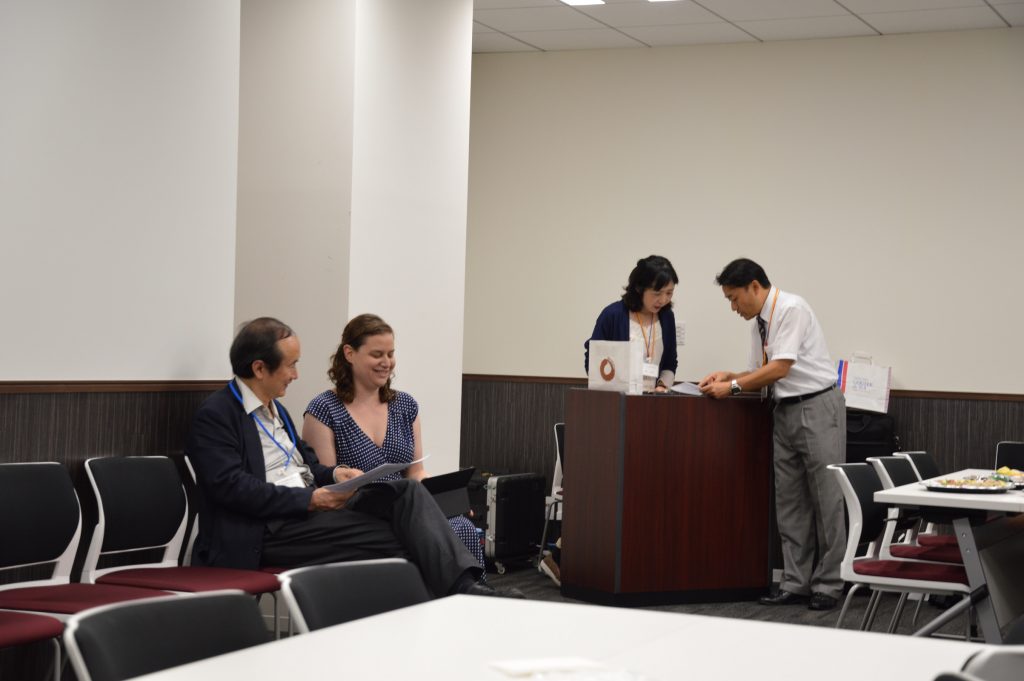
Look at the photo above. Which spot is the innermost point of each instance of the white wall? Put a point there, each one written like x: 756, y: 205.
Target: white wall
x: 295, y: 176
x: 118, y: 134
x: 410, y: 159
x: 878, y: 177
x: 354, y: 149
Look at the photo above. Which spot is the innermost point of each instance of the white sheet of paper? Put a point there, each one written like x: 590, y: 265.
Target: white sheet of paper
x: 370, y: 476
x: 686, y: 389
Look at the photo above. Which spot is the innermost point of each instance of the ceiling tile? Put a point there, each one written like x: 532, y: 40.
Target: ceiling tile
x: 534, y: 19
x: 498, y: 42
x: 650, y: 13
x: 577, y: 39
x: 480, y: 28
x: 689, y: 34
x: 862, y: 6
x: 961, y: 19
x: 759, y: 10
x: 813, y: 27
x: 1012, y: 13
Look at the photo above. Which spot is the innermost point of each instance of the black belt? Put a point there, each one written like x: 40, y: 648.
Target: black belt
x: 800, y: 398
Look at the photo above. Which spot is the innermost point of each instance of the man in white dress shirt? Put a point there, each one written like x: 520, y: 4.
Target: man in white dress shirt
x: 790, y: 360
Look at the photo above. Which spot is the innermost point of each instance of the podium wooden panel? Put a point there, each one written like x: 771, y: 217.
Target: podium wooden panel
x: 667, y: 498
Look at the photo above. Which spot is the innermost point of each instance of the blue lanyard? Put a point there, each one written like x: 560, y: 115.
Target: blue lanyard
x: 287, y: 425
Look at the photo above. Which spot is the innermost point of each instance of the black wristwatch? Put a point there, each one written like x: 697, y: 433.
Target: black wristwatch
x: 734, y: 388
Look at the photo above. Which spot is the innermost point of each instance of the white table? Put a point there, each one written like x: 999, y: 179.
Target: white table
x: 990, y: 532
x: 457, y: 638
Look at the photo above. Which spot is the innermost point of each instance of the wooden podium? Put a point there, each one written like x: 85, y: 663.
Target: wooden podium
x: 667, y: 498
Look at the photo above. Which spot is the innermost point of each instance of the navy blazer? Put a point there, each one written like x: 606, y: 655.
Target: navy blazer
x: 235, y: 501
x: 613, y: 325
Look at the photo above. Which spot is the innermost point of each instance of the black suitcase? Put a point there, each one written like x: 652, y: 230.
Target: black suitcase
x: 869, y: 434
x: 515, y: 517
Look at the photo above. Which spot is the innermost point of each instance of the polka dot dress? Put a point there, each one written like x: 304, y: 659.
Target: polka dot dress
x: 356, y: 449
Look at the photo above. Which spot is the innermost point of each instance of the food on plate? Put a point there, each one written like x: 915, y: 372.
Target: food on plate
x: 971, y: 483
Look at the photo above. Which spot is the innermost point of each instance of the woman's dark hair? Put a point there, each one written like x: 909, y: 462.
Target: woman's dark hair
x: 257, y: 340
x: 355, y: 334
x: 653, y: 272
x: 740, y: 272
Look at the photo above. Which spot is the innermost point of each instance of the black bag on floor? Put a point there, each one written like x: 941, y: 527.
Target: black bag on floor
x: 869, y: 434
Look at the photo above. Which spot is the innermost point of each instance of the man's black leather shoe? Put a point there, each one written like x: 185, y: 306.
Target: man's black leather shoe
x: 820, y: 601
x: 782, y: 597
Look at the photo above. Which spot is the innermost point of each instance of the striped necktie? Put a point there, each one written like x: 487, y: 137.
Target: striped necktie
x: 762, y: 329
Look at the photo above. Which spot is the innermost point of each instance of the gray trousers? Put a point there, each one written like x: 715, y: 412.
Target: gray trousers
x: 809, y: 436
x: 383, y: 520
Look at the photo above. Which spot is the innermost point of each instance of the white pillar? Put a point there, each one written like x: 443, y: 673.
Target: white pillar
x: 409, y: 192
x: 353, y: 173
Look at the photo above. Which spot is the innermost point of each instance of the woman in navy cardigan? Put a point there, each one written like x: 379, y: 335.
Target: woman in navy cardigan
x: 644, y: 316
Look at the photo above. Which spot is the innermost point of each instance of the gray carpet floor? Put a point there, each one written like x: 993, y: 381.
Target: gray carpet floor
x: 538, y: 586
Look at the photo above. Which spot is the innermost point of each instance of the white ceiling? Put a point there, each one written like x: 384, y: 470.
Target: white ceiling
x: 543, y: 25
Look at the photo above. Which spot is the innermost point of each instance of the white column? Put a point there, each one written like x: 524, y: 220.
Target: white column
x: 295, y: 175
x: 409, y: 191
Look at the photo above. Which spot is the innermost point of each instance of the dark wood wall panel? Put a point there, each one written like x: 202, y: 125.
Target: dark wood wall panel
x: 960, y: 432
x: 73, y: 423
x: 507, y: 425
x: 507, y: 421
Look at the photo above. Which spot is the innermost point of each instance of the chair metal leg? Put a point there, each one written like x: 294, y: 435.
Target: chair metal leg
x: 548, y: 517
x: 57, y: 663
x: 945, y: 617
x: 917, y: 610
x: 846, y: 604
x: 869, y: 614
x: 897, y: 613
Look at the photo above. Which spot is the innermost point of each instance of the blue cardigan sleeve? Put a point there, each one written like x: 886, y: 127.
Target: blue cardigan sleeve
x: 612, y: 324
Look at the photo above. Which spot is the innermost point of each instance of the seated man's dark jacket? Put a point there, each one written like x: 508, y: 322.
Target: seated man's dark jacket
x: 235, y: 502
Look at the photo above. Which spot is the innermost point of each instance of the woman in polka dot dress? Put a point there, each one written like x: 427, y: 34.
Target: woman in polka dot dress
x: 363, y: 423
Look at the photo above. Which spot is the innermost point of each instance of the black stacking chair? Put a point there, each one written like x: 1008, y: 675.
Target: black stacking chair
x: 867, y: 521
x: 126, y: 640
x: 553, y: 502
x: 40, y: 525
x: 142, y: 505
x: 21, y: 628
x: 896, y: 471
x: 319, y: 596
x: 1010, y: 454
x: 924, y: 464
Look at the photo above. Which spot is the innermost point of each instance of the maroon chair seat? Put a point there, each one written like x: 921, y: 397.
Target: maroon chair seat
x: 900, y: 569
x: 194, y: 579
x: 937, y: 540
x: 68, y: 599
x: 19, y: 628
x: 939, y: 553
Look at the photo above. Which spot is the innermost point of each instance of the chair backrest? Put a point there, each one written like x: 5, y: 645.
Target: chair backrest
x: 126, y: 640
x: 1004, y: 663
x: 323, y: 595
x: 141, y: 505
x: 859, y: 482
x: 1010, y: 454
x: 894, y: 471
x: 924, y: 464
x: 40, y: 520
x: 556, y: 481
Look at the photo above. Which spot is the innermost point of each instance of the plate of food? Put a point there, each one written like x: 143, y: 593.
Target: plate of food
x: 970, y: 484
x: 1011, y: 475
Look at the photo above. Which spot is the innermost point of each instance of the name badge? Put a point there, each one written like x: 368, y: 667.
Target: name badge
x: 292, y: 479
x: 650, y: 370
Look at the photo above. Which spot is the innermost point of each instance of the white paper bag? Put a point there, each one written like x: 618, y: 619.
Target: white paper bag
x: 865, y: 385
x: 614, y: 367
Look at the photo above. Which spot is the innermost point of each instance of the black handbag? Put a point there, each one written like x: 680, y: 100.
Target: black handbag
x: 869, y: 434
